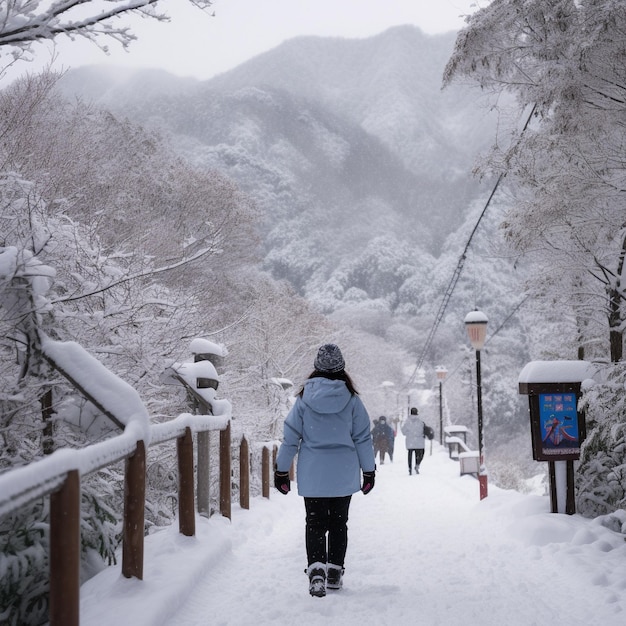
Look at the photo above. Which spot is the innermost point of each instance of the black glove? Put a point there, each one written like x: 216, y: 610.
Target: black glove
x: 282, y: 482
x: 368, y: 482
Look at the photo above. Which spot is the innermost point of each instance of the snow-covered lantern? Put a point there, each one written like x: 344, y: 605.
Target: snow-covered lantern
x: 476, y: 326
x: 557, y: 425
x: 441, y: 372
x: 201, y: 374
x: 206, y: 375
x: 204, y: 350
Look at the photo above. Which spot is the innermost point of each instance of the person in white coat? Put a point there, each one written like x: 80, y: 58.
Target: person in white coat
x: 415, y: 433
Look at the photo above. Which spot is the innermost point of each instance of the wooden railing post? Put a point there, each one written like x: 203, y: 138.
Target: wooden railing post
x: 65, y: 553
x: 244, y: 474
x: 134, y: 502
x: 186, y: 504
x: 47, y: 415
x: 203, y: 479
x: 225, y: 472
x: 265, y: 472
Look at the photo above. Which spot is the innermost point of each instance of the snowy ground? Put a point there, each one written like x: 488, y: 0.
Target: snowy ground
x: 422, y: 550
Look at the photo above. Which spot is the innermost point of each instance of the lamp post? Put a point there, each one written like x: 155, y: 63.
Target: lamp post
x: 410, y: 400
x: 476, y: 326
x: 441, y: 372
x: 388, y: 387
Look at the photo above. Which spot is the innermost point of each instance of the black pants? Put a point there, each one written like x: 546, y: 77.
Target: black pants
x: 327, y: 515
x: 419, y: 455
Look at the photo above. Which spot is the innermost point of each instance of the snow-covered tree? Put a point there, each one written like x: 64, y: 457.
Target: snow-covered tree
x: 601, y: 486
x: 567, y: 178
x: 133, y: 301
x: 274, y: 340
x: 567, y: 170
x: 24, y: 22
x: 41, y: 411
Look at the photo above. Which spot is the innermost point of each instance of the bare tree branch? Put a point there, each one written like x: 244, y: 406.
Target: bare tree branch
x: 152, y: 272
x: 23, y: 22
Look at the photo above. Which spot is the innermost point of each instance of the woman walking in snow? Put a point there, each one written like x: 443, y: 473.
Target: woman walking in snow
x: 329, y: 428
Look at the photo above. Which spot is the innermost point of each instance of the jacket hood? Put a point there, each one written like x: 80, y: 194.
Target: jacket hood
x: 323, y: 395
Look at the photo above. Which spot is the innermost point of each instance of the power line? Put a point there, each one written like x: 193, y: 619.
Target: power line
x: 459, y: 267
x: 452, y: 284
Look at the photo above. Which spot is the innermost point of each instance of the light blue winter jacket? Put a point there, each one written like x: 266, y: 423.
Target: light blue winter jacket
x: 329, y: 428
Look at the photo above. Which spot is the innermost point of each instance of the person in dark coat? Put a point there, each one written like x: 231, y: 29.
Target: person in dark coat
x: 382, y: 438
x: 375, y: 441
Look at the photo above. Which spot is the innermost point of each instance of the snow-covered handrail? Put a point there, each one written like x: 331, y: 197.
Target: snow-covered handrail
x: 165, y: 431
x: 109, y: 393
x: 23, y: 484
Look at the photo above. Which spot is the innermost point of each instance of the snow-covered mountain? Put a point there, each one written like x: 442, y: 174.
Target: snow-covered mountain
x: 355, y: 136
x: 390, y: 85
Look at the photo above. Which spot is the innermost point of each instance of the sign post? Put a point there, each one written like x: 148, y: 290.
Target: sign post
x: 557, y: 427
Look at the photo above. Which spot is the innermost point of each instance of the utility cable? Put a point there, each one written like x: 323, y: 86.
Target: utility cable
x: 459, y: 267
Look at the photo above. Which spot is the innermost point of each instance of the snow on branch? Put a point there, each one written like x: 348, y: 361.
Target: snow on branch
x: 23, y: 22
x: 137, y: 276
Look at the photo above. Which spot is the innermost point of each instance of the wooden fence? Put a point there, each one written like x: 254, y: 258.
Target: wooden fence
x: 64, y: 487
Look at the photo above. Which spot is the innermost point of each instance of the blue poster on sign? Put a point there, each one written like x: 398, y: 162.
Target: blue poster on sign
x: 559, y: 424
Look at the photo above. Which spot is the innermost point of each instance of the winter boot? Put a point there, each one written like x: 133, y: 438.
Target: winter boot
x: 334, y: 579
x: 410, y: 472
x: 317, y: 579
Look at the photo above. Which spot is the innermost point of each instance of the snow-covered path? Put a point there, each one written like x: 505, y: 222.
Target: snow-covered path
x: 422, y: 549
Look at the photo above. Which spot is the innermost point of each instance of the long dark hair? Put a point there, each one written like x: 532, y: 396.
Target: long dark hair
x: 341, y: 375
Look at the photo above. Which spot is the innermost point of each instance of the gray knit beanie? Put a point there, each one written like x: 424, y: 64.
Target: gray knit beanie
x: 329, y: 359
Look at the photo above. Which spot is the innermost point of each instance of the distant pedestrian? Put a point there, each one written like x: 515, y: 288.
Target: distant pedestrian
x: 383, y: 439
x: 329, y: 428
x: 415, y: 433
x: 374, y: 441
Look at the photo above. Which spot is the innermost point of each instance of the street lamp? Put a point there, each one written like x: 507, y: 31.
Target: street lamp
x: 476, y: 326
x: 411, y: 400
x: 441, y: 372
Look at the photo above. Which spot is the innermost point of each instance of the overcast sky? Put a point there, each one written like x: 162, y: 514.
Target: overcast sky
x: 198, y: 44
